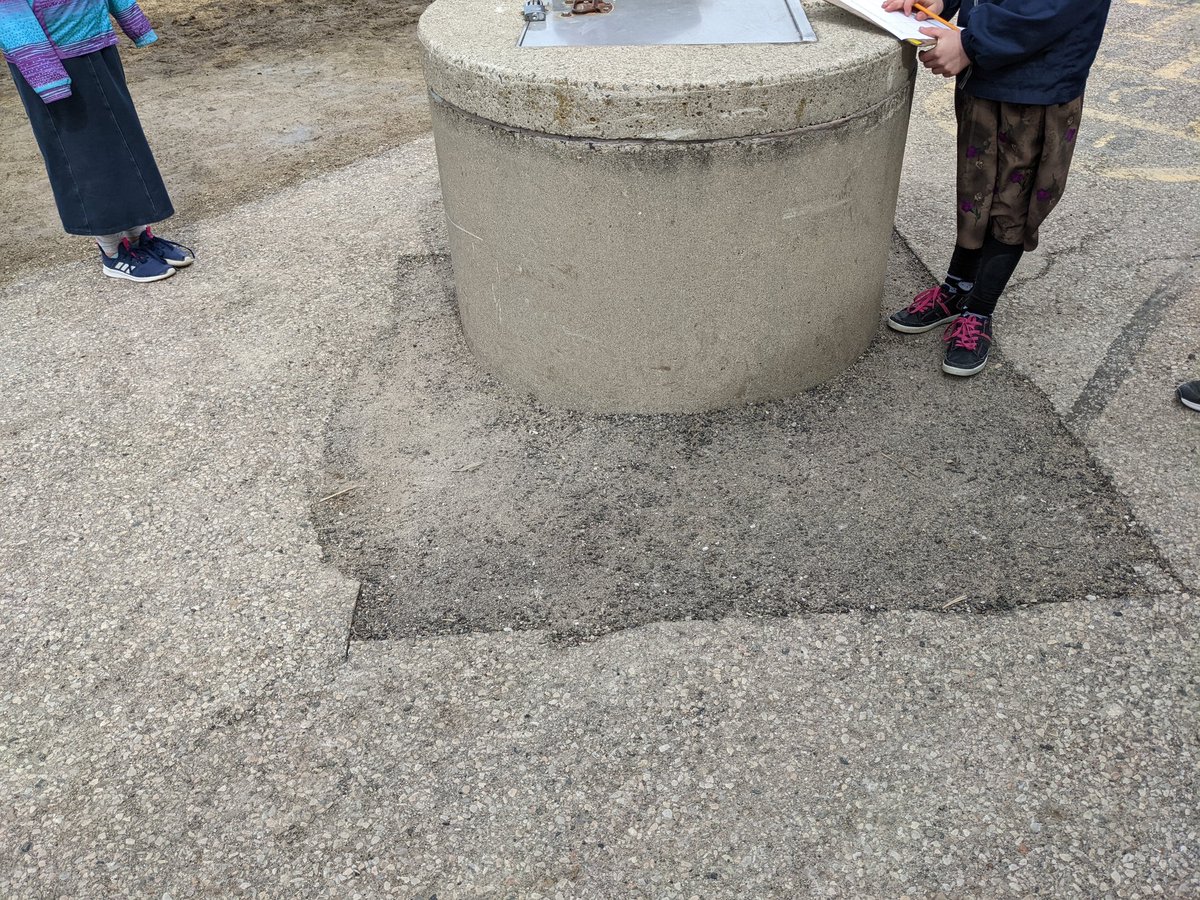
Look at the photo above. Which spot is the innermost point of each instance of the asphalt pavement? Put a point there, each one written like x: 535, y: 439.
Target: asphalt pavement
x: 190, y: 710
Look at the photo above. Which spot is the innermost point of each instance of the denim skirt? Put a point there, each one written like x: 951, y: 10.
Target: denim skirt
x: 101, y: 169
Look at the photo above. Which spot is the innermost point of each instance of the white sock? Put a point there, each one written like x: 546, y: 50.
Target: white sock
x: 110, y: 243
x: 134, y: 233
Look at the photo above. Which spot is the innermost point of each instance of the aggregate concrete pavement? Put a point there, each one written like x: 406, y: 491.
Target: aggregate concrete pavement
x: 178, y: 715
x: 176, y: 721
x: 909, y: 754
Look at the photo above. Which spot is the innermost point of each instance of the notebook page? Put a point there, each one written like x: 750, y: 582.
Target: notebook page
x: 897, y: 23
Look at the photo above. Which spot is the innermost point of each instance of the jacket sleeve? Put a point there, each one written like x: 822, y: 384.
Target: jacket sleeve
x: 132, y: 21
x: 26, y: 46
x: 951, y: 8
x: 997, y: 36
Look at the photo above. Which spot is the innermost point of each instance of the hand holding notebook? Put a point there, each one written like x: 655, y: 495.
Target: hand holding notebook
x: 895, y: 22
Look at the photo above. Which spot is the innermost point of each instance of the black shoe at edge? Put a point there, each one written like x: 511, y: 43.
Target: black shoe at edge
x: 1189, y: 394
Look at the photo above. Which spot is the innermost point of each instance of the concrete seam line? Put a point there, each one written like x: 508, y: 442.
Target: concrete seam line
x: 505, y: 80
x: 890, y: 99
x: 913, y: 253
x: 350, y: 623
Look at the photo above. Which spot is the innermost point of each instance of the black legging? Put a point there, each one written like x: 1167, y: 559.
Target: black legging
x: 987, y: 269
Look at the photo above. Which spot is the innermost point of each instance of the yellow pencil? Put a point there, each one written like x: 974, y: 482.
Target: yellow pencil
x: 935, y: 17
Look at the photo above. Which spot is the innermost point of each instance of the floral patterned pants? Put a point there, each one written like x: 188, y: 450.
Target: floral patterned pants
x: 1013, y: 161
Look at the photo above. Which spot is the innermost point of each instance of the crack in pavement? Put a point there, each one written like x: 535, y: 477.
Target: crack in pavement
x: 1123, y: 352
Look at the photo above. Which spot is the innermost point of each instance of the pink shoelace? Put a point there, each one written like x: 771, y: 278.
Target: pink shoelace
x: 926, y: 299
x: 965, y: 332
x: 137, y: 254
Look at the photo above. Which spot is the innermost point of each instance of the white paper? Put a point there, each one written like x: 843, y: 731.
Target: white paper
x: 906, y: 28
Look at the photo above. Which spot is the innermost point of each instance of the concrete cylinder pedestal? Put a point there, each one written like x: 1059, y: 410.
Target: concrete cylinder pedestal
x: 666, y: 229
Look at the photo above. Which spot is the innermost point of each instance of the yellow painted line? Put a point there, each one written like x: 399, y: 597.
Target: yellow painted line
x: 1135, y: 70
x: 1139, y: 125
x: 1173, y: 24
x: 1166, y: 28
x: 1168, y: 176
x: 1150, y: 4
x: 1104, y: 141
x: 1176, y: 69
x: 1117, y: 95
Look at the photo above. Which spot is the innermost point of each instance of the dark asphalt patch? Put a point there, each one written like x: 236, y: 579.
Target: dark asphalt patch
x: 893, y: 486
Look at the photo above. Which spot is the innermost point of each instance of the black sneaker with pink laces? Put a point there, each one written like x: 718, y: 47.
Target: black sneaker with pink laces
x: 968, y: 341
x: 929, y: 309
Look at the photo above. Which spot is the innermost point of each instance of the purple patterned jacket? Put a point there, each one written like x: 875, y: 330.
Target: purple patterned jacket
x: 36, y: 35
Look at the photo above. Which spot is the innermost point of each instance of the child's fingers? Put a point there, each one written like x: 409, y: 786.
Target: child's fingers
x: 932, y: 32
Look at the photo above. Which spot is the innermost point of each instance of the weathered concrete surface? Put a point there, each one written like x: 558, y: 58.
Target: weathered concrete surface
x: 648, y: 277
x: 656, y: 93
x: 637, y: 274
x: 909, y: 754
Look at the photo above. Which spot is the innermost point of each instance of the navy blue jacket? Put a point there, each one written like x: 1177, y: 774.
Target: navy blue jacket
x: 1029, y: 51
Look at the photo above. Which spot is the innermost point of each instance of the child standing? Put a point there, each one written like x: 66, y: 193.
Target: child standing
x: 1021, y: 66
x: 64, y: 61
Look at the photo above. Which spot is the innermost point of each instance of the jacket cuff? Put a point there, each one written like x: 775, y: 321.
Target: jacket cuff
x: 969, y: 46
x: 135, y: 25
x: 58, y: 90
x: 43, y: 71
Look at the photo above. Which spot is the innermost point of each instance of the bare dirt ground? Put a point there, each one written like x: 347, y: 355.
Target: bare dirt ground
x: 238, y: 100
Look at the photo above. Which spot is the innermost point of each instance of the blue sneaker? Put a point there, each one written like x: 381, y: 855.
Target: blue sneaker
x: 134, y: 264
x: 174, y: 255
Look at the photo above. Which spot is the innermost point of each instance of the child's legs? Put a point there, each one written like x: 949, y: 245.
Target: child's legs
x: 976, y: 162
x: 1032, y: 153
x: 1018, y: 148
x: 110, y: 243
x: 998, y: 261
